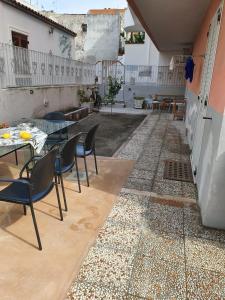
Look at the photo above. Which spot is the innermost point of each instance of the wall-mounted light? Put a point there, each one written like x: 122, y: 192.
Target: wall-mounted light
x: 51, y: 30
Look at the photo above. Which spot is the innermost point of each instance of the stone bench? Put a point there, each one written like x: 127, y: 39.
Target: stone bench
x: 77, y: 114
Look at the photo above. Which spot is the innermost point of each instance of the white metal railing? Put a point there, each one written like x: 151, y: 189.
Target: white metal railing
x: 155, y: 75
x: 23, y: 67
x: 137, y: 74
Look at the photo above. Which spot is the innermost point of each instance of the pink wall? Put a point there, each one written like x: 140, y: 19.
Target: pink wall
x: 200, y: 47
x: 217, y: 93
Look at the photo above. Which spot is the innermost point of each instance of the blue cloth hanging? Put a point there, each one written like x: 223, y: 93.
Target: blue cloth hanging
x: 189, y: 69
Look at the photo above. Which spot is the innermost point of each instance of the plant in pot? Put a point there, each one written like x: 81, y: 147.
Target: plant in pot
x: 85, y: 99
x: 138, y: 101
x: 114, y: 86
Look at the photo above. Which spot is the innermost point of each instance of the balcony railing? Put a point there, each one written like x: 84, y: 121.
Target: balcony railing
x: 137, y: 74
x: 23, y: 67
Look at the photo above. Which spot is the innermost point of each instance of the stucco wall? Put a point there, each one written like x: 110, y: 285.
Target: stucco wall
x: 211, y: 164
x: 18, y: 103
x: 200, y: 47
x: 73, y: 22
x: 165, y: 57
x: 103, y: 35
x: 11, y: 19
x: 141, y: 54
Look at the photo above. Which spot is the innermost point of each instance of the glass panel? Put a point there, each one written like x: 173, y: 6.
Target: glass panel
x: 47, y: 126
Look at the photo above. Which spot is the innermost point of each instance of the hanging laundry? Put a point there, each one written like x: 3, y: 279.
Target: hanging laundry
x: 172, y: 64
x: 189, y: 69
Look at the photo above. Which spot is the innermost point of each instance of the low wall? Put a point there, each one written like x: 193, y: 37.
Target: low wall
x: 16, y: 103
x: 128, y: 91
x: 146, y: 90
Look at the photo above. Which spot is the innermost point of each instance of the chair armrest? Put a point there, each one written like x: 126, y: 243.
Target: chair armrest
x: 36, y: 157
x: 9, y: 180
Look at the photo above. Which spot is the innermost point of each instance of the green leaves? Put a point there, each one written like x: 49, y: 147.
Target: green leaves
x: 114, y: 85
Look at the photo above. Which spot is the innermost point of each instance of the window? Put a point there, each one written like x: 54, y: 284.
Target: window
x: 19, y: 40
x: 135, y: 38
x: 20, y: 53
x: 84, y: 27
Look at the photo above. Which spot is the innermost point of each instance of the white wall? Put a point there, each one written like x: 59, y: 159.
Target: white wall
x: 16, y: 103
x: 165, y: 57
x: 73, y: 22
x: 12, y: 19
x: 211, y: 166
x: 102, y: 40
x: 141, y: 54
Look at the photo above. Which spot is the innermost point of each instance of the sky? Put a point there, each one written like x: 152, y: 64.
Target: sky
x: 77, y: 6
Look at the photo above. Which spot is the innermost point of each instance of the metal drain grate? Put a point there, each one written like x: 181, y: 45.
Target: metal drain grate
x: 176, y: 170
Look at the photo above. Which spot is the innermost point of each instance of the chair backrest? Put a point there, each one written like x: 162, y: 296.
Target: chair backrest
x: 43, y: 172
x: 90, y: 138
x: 67, y: 153
x: 55, y: 115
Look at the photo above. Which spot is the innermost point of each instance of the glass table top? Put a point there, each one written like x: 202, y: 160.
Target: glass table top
x: 47, y: 126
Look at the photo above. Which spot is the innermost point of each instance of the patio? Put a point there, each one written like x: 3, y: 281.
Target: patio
x: 131, y: 235
x: 153, y: 246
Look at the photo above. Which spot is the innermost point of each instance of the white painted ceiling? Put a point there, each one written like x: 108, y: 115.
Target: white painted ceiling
x: 173, y: 24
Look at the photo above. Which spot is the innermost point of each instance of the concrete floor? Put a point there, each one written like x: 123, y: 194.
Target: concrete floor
x: 131, y: 235
x: 152, y: 245
x: 27, y: 273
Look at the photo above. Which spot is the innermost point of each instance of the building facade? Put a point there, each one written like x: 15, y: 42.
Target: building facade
x: 98, y: 33
x: 23, y: 26
x: 201, y: 34
x: 38, y: 70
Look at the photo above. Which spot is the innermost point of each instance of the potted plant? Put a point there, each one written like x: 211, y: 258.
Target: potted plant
x: 85, y: 100
x: 114, y: 85
x: 138, y: 102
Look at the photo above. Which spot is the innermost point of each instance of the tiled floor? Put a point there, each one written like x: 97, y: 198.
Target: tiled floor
x: 154, y: 247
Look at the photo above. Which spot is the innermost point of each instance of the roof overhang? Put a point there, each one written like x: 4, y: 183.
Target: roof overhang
x: 132, y: 24
x: 172, y: 24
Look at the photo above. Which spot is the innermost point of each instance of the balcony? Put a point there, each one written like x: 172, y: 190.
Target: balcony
x: 20, y: 67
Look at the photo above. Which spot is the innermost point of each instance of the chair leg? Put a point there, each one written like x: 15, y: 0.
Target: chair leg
x: 58, y: 199
x: 63, y: 192
x: 35, y: 226
x: 78, y: 176
x: 24, y: 209
x: 96, y: 167
x: 86, y: 170
x: 16, y: 157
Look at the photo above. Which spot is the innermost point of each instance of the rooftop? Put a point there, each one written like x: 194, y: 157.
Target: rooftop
x: 106, y: 11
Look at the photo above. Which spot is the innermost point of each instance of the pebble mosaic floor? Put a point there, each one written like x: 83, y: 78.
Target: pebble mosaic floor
x: 154, y: 247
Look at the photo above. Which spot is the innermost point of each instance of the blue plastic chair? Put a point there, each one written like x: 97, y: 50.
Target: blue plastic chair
x: 26, y: 191
x: 65, y: 162
x: 59, y: 137
x: 86, y: 148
